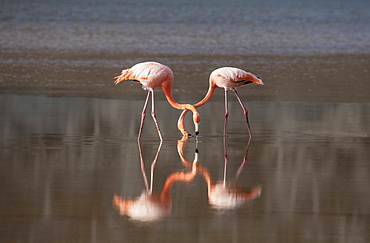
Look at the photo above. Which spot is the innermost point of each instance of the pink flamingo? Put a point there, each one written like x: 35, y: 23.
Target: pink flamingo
x: 228, y: 78
x: 153, y: 75
x: 149, y: 207
x: 223, y: 194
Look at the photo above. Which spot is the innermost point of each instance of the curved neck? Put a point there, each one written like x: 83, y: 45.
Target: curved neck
x: 211, y: 90
x: 207, y: 177
x: 167, y: 89
x: 177, y: 176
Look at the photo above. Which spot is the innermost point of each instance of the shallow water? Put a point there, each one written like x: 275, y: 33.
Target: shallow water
x: 63, y: 160
x: 68, y: 135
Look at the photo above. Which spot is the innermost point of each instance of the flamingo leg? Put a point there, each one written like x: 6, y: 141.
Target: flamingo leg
x: 155, y: 117
x: 245, y: 159
x: 226, y: 160
x: 245, y: 112
x: 143, y: 114
x: 142, y: 166
x: 226, y: 111
x: 153, y: 165
x: 148, y: 188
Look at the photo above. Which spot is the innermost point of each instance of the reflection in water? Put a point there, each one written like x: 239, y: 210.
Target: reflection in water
x: 63, y: 159
x: 148, y: 206
x: 224, y: 194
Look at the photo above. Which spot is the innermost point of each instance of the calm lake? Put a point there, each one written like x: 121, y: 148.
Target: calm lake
x: 71, y: 169
x: 63, y: 160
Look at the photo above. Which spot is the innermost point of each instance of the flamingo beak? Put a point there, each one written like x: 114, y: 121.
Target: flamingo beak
x: 258, y: 81
x: 196, y: 156
x: 196, y: 119
x: 196, y: 124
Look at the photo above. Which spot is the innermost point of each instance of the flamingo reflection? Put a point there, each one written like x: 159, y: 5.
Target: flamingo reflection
x: 150, y: 207
x: 223, y: 194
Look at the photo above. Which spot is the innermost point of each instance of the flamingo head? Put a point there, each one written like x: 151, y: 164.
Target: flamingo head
x: 196, y: 119
x: 251, y: 78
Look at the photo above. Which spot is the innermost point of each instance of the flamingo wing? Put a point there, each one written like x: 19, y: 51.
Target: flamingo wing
x: 231, y: 77
x: 149, y: 74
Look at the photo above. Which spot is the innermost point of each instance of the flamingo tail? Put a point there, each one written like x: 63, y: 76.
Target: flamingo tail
x: 125, y: 75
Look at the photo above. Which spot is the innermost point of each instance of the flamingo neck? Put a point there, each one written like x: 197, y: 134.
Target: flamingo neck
x: 178, y: 176
x: 167, y: 89
x: 211, y: 90
x: 207, y: 177
x: 168, y: 93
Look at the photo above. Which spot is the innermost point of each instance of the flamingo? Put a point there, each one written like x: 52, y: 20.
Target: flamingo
x: 153, y: 75
x: 149, y: 207
x: 228, y: 78
x: 222, y: 194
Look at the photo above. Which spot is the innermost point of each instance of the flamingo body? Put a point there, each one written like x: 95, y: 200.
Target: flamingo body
x: 147, y: 207
x: 149, y: 74
x: 229, y: 196
x: 231, y: 77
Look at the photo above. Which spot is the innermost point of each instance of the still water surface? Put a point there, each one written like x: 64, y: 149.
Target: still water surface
x: 68, y: 135
x: 64, y: 159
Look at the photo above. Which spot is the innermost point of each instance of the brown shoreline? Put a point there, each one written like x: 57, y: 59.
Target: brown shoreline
x: 312, y: 78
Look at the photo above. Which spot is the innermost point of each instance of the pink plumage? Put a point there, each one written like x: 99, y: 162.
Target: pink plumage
x: 155, y: 75
x: 231, y: 77
x: 228, y: 78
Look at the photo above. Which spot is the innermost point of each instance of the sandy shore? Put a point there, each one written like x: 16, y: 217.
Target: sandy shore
x: 313, y: 78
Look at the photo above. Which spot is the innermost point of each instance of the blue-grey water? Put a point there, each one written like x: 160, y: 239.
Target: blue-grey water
x: 68, y: 135
x: 209, y: 27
